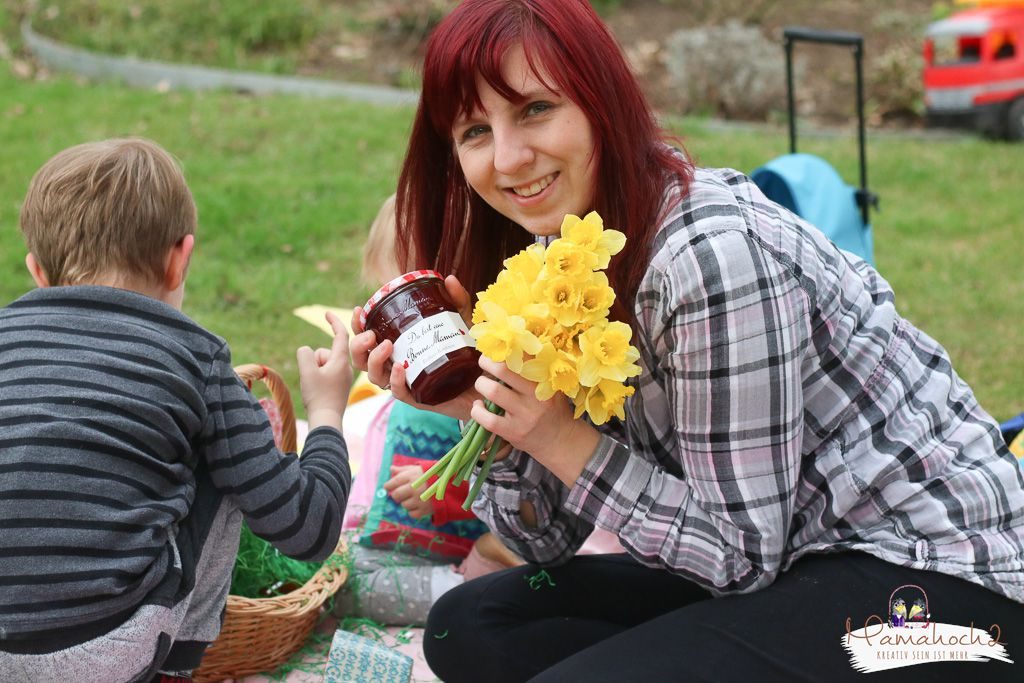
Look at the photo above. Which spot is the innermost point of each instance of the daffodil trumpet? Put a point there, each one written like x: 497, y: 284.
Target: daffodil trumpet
x: 546, y: 318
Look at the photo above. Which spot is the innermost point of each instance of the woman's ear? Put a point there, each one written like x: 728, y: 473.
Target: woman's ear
x: 177, y: 262
x: 36, y: 271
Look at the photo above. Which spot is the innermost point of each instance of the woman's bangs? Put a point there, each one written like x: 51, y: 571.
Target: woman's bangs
x: 482, y: 60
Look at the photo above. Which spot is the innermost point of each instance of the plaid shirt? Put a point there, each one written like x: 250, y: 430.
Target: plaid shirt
x: 784, y: 407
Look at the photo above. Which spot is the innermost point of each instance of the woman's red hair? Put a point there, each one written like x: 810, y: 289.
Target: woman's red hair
x: 445, y: 224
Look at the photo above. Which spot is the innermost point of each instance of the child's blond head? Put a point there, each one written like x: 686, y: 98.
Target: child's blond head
x: 379, y: 260
x: 107, y: 209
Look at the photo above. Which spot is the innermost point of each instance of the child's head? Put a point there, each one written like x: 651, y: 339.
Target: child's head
x: 108, y: 212
x: 379, y: 261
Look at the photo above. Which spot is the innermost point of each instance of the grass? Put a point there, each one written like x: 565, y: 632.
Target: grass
x: 274, y: 36
x: 265, y: 36
x: 286, y: 188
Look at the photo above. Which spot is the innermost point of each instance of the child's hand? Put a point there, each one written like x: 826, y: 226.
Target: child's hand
x: 402, y: 491
x: 325, y: 378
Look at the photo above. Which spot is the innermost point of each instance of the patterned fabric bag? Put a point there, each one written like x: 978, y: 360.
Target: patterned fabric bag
x: 357, y: 659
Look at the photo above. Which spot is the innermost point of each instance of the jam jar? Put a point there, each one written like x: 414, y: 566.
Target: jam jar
x: 430, y: 338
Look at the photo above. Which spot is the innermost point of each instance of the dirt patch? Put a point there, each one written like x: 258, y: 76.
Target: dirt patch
x: 825, y: 86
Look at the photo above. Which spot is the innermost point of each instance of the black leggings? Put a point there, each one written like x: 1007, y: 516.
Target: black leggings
x: 609, y: 618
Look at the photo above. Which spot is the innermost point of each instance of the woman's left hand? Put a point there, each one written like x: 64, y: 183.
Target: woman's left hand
x: 545, y: 430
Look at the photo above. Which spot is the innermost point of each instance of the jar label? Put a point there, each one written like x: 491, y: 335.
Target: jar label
x: 427, y: 341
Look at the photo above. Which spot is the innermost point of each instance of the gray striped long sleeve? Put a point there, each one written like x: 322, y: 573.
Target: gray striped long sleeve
x: 129, y: 451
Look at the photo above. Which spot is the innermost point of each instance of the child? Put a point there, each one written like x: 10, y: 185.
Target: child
x: 130, y: 450
x: 379, y: 264
x: 408, y: 551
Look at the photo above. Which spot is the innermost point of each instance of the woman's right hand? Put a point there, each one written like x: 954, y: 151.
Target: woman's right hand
x: 375, y: 359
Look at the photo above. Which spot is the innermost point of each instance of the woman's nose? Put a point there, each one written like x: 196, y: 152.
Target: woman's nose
x: 512, y: 150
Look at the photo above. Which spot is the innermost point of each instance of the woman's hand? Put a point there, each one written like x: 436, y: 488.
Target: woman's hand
x: 375, y: 359
x: 545, y: 430
x: 367, y: 355
x: 460, y: 297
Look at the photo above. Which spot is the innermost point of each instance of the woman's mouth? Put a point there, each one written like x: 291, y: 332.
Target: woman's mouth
x: 534, y: 188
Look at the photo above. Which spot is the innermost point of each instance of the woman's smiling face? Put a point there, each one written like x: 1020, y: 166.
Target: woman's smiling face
x: 532, y: 161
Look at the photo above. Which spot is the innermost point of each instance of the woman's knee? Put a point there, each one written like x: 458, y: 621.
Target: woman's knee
x: 467, y: 635
x: 447, y: 640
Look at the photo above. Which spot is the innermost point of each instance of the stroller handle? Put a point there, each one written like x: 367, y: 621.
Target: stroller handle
x: 814, y: 35
x: 792, y: 34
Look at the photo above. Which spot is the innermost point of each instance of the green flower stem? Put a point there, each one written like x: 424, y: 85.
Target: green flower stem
x: 485, y: 469
x: 449, y: 471
x: 465, y: 469
x: 475, y: 445
x: 431, y: 490
x: 457, y: 464
x: 434, y: 469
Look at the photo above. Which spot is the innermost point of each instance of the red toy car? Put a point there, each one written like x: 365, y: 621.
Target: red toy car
x: 974, y: 69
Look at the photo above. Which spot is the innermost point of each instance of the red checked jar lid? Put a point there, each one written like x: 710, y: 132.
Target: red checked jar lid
x: 431, y: 340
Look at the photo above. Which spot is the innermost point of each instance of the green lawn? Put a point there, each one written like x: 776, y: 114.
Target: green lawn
x: 286, y: 188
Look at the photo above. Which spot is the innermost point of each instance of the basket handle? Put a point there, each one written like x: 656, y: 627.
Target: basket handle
x: 252, y: 372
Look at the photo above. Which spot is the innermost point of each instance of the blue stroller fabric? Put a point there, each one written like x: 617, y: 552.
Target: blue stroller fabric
x: 1013, y: 433
x: 1012, y: 427
x: 809, y: 187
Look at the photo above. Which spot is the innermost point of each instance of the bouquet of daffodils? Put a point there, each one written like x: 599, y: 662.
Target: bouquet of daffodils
x: 546, y: 318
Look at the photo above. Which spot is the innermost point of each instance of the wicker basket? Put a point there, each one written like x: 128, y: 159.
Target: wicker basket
x: 261, y: 634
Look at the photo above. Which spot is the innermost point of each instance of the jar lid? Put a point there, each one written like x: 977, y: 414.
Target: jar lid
x: 391, y: 286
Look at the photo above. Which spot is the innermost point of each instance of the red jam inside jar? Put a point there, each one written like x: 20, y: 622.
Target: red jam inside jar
x: 431, y: 340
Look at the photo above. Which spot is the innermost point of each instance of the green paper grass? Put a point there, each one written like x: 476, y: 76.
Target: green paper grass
x: 309, y: 659
x: 539, y: 579
x: 262, y: 571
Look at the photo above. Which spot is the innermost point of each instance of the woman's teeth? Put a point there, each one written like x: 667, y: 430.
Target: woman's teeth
x: 535, y: 188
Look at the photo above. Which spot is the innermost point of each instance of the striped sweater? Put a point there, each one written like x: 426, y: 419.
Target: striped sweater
x: 129, y: 454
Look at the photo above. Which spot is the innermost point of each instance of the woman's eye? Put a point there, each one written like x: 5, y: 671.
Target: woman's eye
x: 474, y: 132
x: 537, y: 108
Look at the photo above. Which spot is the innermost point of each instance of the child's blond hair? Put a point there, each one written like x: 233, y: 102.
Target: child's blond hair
x: 108, y: 208
x: 379, y: 261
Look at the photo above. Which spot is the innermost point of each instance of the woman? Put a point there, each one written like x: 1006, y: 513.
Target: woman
x: 794, y: 447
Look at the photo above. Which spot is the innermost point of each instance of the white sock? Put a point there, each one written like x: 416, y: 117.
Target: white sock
x: 442, y: 580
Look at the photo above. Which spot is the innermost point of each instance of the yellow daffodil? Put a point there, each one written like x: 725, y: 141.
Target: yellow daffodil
x: 601, y: 402
x: 554, y: 371
x: 563, y: 300
x: 504, y: 338
x: 538, y: 320
x: 564, y: 258
x: 546, y: 318
x: 607, y: 354
x: 562, y: 338
x: 527, y: 262
x: 589, y: 234
x: 511, y: 291
x: 596, y: 298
